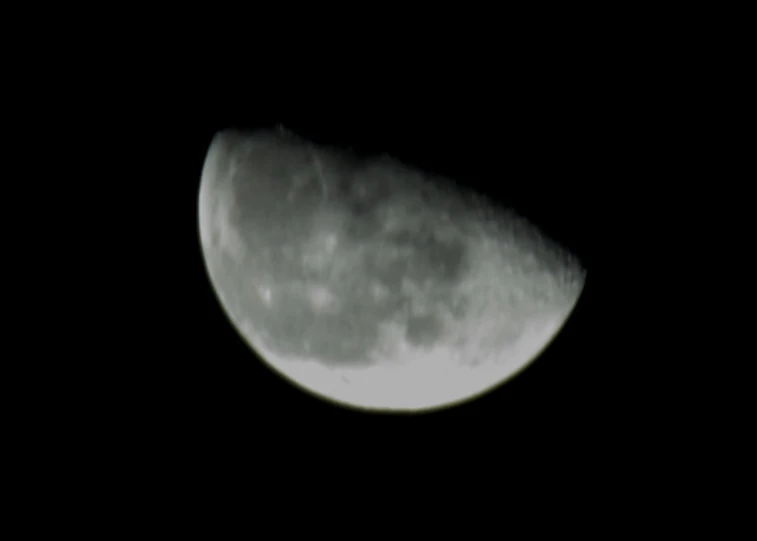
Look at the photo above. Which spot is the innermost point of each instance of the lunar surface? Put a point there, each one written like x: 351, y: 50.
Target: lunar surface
x: 370, y: 283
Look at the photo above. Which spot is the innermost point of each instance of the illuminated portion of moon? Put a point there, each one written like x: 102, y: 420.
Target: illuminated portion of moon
x: 371, y: 284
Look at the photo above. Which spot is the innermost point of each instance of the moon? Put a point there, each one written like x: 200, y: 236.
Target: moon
x: 371, y: 284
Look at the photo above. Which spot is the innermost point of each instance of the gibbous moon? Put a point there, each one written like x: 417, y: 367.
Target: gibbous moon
x: 369, y: 283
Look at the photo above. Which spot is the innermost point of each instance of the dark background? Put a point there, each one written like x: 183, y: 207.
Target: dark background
x: 595, y: 131
x: 577, y: 130
x: 563, y: 144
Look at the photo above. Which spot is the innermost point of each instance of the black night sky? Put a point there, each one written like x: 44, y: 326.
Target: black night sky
x: 557, y: 157
x: 153, y: 387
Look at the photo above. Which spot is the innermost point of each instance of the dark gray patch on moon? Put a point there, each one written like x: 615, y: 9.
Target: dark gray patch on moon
x: 416, y: 258
x: 424, y: 330
x: 347, y: 335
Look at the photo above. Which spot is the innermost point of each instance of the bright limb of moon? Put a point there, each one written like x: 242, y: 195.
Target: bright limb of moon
x: 280, y: 258
x: 417, y: 381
